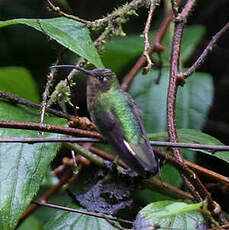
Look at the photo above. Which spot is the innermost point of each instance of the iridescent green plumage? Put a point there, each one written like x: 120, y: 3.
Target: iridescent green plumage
x: 118, y: 118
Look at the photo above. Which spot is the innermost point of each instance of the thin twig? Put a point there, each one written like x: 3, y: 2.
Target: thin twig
x: 34, y: 140
x: 60, y: 12
x: 48, y: 128
x: 155, y: 46
x: 121, y: 14
x: 146, y: 36
x: 107, y: 156
x: 186, y: 171
x: 165, y: 188
x: 81, y: 212
x: 210, y: 148
x: 203, y: 56
x: 14, y: 98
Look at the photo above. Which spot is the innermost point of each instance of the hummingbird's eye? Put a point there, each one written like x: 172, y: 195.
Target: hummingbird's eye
x: 102, y: 78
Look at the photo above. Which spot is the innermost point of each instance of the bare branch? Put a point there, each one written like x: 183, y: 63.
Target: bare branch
x: 82, y: 212
x: 155, y: 46
x: 19, y: 100
x: 48, y: 128
x: 60, y: 12
x: 202, y: 57
x: 210, y: 148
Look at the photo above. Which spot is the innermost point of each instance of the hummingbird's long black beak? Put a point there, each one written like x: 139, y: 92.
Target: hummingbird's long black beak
x: 88, y: 72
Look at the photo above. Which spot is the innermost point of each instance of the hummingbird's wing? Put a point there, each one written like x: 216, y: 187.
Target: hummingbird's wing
x: 111, y: 129
x: 138, y: 156
x: 143, y: 149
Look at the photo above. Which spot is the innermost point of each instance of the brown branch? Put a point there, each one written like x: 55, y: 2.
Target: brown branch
x: 14, y: 98
x: 48, y: 128
x: 107, y: 156
x: 160, y: 185
x: 60, y: 12
x: 188, y: 173
x: 155, y: 46
x: 210, y: 148
x: 207, y: 172
x: 192, y: 182
x: 50, y: 140
x: 81, y: 212
x: 121, y: 13
x: 171, y: 101
x: 166, y: 188
x: 203, y: 56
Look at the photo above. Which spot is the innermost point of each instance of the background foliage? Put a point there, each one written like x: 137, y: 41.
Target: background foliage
x: 25, y: 57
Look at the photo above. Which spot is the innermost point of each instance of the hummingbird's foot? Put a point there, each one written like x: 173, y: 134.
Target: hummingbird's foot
x: 130, y: 173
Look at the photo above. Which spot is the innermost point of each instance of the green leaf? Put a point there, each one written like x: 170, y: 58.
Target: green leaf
x: 67, y: 220
x: 170, y: 215
x: 31, y: 221
x: 193, y: 100
x: 198, y: 137
x: 19, y: 81
x: 191, y: 38
x: 69, y: 33
x: 59, y: 219
x: 22, y: 166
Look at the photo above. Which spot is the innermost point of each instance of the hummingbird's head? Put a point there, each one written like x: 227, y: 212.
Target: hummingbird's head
x: 103, y: 79
x: 100, y: 79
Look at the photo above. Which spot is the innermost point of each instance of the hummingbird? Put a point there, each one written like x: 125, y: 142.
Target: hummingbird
x: 119, y: 119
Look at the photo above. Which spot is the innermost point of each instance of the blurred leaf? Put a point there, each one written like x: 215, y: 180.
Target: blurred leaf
x: 31, y: 221
x: 19, y: 81
x: 193, y: 100
x: 69, y: 33
x: 196, y: 137
x: 170, y: 215
x: 23, y: 166
x: 191, y: 38
x: 118, y: 52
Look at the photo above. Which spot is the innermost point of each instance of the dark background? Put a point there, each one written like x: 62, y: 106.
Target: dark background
x: 23, y: 46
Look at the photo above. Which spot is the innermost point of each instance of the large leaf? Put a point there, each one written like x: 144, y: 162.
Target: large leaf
x: 170, y: 215
x: 22, y: 166
x: 19, y: 81
x: 63, y: 220
x: 69, y: 33
x: 68, y: 220
x: 198, y: 137
x: 193, y: 100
